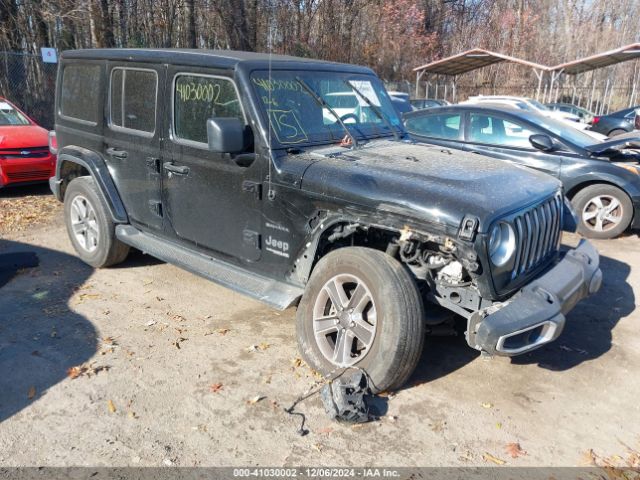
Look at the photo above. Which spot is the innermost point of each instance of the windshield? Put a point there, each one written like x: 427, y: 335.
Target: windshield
x: 537, y: 104
x: 297, y: 119
x: 11, y: 116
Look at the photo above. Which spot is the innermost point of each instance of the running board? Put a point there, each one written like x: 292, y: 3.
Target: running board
x: 277, y: 294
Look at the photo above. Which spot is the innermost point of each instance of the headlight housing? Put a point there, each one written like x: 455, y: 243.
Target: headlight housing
x: 502, y: 243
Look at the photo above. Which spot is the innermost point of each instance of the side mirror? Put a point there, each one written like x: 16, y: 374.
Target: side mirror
x: 542, y: 142
x: 226, y: 135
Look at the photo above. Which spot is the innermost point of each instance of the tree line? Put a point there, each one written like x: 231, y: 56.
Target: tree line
x: 392, y: 36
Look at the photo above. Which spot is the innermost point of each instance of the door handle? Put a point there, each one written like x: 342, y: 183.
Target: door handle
x: 117, y: 153
x: 179, y: 169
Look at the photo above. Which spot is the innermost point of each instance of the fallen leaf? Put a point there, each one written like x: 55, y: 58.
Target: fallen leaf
x: 297, y: 362
x: 150, y: 323
x: 514, y: 450
x: 263, y: 346
x: 215, y: 387
x: 109, y: 341
x: 74, y: 372
x: 222, y: 331
x: 31, y: 393
x: 111, y: 406
x: 487, y: 405
x: 490, y: 458
x: 255, y: 399
x: 499, y: 425
x: 132, y: 415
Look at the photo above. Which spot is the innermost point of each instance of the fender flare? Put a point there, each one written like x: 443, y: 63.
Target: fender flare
x: 97, y: 168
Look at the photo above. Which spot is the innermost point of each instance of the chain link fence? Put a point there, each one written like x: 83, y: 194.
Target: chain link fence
x: 29, y: 83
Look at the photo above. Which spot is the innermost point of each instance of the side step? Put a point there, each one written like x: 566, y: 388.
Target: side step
x: 272, y: 292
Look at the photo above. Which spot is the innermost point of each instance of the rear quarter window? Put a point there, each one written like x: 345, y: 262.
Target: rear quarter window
x: 79, y: 99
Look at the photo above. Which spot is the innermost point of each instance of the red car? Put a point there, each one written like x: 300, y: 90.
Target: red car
x: 24, y: 148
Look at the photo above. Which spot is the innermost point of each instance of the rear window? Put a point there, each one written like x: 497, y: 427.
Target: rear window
x: 78, y: 98
x: 133, y: 99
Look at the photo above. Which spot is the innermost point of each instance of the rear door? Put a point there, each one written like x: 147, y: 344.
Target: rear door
x: 211, y: 200
x: 132, y: 139
x: 507, y: 139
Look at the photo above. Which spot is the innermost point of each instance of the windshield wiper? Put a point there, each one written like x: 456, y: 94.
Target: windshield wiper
x: 375, y: 108
x: 322, y: 102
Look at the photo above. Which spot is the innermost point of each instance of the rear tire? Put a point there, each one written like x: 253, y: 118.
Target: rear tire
x: 604, y: 211
x: 367, y: 301
x: 89, y: 225
x: 616, y: 132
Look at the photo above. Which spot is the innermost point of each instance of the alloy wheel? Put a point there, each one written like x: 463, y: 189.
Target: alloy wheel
x: 84, y: 223
x: 344, y: 320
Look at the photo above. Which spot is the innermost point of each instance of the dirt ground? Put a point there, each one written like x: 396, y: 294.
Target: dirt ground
x: 148, y: 365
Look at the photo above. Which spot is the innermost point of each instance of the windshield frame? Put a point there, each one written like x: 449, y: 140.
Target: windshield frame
x: 372, y: 132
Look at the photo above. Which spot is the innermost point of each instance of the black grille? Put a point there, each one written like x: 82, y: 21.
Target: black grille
x: 29, y: 152
x: 538, y: 231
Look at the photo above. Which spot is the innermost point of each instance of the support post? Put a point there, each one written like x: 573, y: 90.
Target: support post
x: 539, y: 74
x: 418, y: 77
x: 454, y: 87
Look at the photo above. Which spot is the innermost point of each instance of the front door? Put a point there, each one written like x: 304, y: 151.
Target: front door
x: 132, y: 139
x: 211, y: 201
x: 507, y: 139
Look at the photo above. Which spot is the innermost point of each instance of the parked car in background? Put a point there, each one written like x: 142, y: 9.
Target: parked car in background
x: 24, y: 148
x: 400, y: 100
x: 602, y: 179
x: 524, y: 103
x: 420, y: 103
x: 615, y: 123
x: 585, y: 115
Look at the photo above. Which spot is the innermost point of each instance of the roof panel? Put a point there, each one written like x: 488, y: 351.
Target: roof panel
x: 604, y: 59
x: 472, y: 60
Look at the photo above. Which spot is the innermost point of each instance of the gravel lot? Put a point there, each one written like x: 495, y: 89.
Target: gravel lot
x: 146, y: 364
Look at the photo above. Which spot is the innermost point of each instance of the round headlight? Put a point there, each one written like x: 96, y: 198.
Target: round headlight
x: 502, y: 244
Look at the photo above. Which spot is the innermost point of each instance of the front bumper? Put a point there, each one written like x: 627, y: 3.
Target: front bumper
x: 26, y: 170
x: 536, y: 315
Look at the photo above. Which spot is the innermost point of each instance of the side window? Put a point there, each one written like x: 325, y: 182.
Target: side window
x: 497, y: 131
x: 78, y: 99
x: 133, y: 99
x: 198, y: 98
x: 438, y: 126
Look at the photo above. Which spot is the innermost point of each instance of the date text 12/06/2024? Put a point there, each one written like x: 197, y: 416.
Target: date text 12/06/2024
x: 315, y: 473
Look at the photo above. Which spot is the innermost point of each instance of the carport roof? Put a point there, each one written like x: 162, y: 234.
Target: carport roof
x: 472, y: 60
x: 604, y: 59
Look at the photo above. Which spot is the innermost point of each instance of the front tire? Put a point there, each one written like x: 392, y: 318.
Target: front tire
x: 89, y: 225
x: 604, y: 211
x: 362, y: 308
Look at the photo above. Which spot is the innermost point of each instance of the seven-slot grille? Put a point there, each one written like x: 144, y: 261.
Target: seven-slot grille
x: 537, y: 234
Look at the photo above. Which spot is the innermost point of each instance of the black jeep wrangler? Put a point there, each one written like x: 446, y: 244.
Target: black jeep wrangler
x: 291, y: 180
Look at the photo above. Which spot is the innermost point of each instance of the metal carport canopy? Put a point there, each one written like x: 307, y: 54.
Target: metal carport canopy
x: 605, y: 59
x: 472, y: 60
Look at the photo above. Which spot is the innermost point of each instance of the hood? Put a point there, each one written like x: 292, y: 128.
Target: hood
x: 629, y: 140
x: 426, y: 183
x: 23, y: 136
